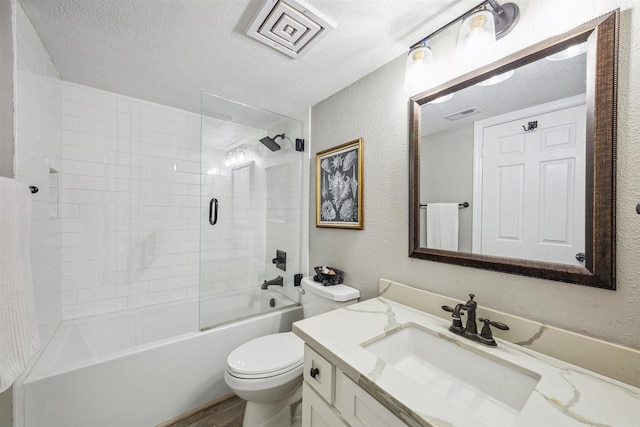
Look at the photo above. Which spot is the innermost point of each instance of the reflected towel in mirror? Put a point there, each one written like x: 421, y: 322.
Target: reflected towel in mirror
x: 442, y: 226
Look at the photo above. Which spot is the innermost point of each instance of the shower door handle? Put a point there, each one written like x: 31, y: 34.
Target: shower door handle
x: 213, y: 211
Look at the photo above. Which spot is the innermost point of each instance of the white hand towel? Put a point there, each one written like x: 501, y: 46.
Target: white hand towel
x: 442, y: 226
x: 19, y: 338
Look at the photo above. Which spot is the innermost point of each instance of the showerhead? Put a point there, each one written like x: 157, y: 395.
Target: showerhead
x: 271, y: 142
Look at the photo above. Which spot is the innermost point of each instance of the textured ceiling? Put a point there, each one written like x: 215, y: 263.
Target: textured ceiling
x: 169, y: 51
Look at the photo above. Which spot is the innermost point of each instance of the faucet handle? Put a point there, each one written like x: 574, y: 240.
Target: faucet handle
x: 455, y: 312
x: 486, y: 330
x: 456, y: 326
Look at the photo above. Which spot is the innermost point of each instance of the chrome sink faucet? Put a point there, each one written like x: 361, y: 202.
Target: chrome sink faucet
x: 278, y: 281
x: 471, y: 329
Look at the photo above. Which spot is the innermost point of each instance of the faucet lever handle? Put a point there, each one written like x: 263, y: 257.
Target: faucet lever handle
x: 499, y: 325
x: 447, y: 308
x: 456, y: 325
x: 455, y: 312
x: 486, y: 330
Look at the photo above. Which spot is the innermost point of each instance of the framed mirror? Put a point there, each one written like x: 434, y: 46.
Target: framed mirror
x: 519, y: 176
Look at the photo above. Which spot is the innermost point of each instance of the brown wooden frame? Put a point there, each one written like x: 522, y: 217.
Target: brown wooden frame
x: 599, y: 269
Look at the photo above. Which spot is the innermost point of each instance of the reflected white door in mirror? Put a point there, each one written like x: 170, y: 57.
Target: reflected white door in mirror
x: 529, y: 183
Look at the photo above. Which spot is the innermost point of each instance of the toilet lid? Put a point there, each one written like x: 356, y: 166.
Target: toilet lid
x: 269, y: 354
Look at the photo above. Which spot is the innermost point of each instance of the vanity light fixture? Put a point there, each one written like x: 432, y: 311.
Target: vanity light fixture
x: 477, y: 35
x: 480, y: 27
x: 419, y: 63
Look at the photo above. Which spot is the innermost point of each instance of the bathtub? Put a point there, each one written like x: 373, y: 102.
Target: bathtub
x: 142, y: 367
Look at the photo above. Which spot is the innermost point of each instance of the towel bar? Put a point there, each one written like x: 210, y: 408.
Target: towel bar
x: 460, y: 205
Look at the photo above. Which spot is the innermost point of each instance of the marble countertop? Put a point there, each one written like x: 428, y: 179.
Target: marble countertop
x: 564, y: 395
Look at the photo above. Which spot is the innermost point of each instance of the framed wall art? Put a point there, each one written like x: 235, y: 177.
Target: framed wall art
x: 339, y: 186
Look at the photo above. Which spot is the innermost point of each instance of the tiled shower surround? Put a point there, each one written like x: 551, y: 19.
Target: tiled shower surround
x: 37, y: 153
x: 116, y: 222
x: 115, y: 225
x: 128, y: 197
x: 121, y: 228
x: 126, y: 201
x: 130, y: 186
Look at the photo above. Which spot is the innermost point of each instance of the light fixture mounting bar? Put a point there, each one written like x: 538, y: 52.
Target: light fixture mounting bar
x: 495, y: 6
x: 506, y: 18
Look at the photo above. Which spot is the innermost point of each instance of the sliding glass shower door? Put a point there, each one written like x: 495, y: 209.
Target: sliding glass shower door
x: 252, y: 211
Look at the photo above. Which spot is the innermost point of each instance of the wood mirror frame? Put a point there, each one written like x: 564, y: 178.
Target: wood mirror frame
x: 600, y: 238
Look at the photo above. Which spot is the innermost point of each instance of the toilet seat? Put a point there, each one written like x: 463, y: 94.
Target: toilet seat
x: 266, y: 356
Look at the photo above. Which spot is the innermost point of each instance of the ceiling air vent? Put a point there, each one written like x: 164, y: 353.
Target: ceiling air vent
x: 289, y: 26
x: 464, y: 113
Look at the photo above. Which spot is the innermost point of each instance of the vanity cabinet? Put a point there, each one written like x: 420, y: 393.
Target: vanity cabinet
x: 316, y: 412
x: 331, y: 399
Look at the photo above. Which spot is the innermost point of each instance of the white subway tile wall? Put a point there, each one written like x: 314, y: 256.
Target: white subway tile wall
x: 38, y: 146
x: 285, y: 214
x: 233, y: 249
x: 260, y: 211
x: 129, y: 201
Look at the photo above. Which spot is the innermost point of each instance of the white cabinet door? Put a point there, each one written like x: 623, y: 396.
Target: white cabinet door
x: 316, y: 412
x: 318, y: 373
x: 358, y: 408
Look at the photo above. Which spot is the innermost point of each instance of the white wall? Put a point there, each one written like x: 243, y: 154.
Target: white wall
x: 448, y: 166
x: 377, y: 109
x: 7, y: 83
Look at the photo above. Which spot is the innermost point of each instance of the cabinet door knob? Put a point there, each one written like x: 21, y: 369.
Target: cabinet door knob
x: 314, y: 372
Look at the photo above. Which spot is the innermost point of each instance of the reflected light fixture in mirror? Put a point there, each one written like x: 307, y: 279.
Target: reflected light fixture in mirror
x: 442, y: 99
x: 570, y: 52
x: 481, y: 27
x: 496, y: 79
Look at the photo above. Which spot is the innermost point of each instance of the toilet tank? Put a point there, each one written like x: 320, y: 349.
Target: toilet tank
x: 317, y: 298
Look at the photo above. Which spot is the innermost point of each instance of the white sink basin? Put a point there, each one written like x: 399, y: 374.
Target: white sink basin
x: 480, y: 386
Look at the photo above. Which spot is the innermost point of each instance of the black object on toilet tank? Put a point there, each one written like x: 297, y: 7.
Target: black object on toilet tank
x: 328, y: 276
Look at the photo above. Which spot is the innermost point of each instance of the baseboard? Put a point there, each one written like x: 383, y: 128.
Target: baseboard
x: 196, y: 410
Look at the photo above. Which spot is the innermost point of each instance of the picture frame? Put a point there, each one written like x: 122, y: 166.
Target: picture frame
x: 339, y: 186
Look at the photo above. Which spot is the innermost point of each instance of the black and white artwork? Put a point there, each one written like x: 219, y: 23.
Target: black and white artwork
x: 339, y: 186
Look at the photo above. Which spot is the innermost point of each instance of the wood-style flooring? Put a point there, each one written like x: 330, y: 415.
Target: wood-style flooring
x: 228, y: 413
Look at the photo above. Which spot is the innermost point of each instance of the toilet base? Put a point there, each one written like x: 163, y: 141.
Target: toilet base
x: 274, y: 414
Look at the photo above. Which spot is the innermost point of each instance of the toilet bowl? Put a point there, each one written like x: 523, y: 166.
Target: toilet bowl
x: 267, y: 371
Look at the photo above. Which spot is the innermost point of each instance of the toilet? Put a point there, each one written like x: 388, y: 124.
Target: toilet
x: 267, y: 371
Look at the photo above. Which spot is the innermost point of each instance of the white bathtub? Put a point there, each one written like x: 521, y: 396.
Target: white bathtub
x: 142, y: 367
